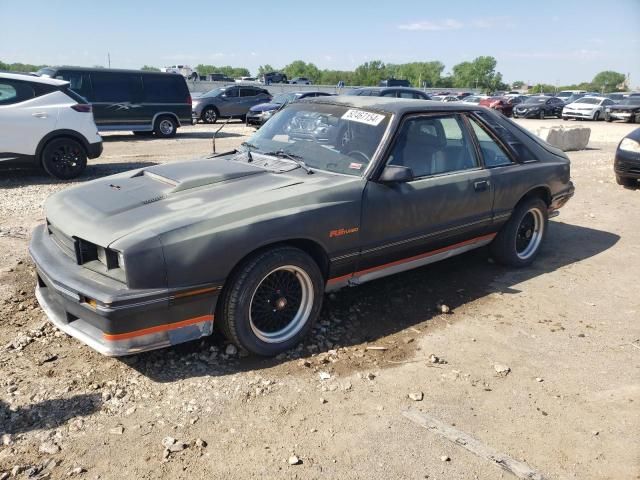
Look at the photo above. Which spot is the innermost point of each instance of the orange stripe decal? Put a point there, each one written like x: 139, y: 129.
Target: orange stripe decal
x: 411, y: 259
x: 159, y: 328
x: 195, y: 292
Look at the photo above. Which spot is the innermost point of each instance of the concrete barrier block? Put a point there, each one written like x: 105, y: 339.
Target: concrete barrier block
x: 565, y: 138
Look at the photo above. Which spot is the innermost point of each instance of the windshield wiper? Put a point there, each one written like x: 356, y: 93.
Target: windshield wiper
x: 293, y: 157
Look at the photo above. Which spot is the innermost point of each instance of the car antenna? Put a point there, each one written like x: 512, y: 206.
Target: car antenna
x: 213, y: 139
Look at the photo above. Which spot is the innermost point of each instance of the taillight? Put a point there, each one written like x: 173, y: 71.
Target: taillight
x: 82, y: 107
x: 189, y: 101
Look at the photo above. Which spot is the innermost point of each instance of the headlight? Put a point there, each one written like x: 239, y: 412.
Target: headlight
x: 607, y: 109
x: 267, y: 113
x: 629, y: 145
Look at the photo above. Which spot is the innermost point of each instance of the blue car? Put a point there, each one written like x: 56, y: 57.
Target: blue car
x: 259, y: 114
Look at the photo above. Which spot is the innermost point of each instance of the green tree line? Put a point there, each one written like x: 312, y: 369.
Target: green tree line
x: 479, y: 73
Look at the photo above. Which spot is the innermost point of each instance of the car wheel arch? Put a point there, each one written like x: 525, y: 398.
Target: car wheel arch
x: 165, y: 114
x: 57, y: 134
x: 542, y: 191
x: 310, y: 247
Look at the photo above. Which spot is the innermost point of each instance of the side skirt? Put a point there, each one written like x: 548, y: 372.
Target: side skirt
x: 410, y: 263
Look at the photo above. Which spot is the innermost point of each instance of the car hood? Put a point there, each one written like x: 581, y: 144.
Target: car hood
x: 264, y: 107
x: 174, y: 195
x: 529, y: 106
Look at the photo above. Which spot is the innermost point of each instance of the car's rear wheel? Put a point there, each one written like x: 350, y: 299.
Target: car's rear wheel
x: 271, y: 301
x: 165, y: 127
x: 64, y: 158
x: 209, y: 115
x: 626, y: 181
x: 518, y: 242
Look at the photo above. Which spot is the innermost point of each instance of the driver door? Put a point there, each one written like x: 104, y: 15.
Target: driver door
x: 446, y: 207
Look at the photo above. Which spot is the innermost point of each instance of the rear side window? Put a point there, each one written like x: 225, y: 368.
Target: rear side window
x: 492, y: 153
x: 516, y: 146
x: 15, y: 92
x: 115, y: 87
x: 164, y: 89
x: 79, y: 82
x: 248, y: 92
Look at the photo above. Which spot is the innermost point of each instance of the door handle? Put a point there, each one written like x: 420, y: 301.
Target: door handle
x: 40, y: 114
x: 481, y: 185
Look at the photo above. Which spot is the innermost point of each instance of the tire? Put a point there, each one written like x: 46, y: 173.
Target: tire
x: 518, y: 242
x: 542, y: 115
x: 626, y: 181
x: 596, y: 116
x: 607, y: 117
x: 64, y: 158
x: 243, y: 314
x: 209, y: 115
x: 565, y: 118
x: 165, y: 127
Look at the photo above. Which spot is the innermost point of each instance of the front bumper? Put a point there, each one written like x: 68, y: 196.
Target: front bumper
x: 627, y: 164
x: 255, y: 118
x: 620, y: 115
x: 108, y: 316
x: 587, y: 114
x: 527, y: 114
x: 94, y: 150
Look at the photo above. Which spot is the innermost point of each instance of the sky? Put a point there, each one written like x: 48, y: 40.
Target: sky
x: 556, y: 42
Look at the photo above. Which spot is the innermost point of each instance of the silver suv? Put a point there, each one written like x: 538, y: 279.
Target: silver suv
x: 228, y: 102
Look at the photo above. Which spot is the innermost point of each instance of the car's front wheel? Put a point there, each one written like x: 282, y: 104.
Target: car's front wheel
x: 541, y: 115
x: 607, y: 117
x: 64, y: 158
x: 518, y: 242
x: 596, y: 116
x: 271, y: 301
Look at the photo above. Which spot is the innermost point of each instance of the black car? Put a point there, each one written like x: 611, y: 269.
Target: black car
x: 539, y: 107
x: 393, y: 92
x: 273, y: 77
x: 259, y: 114
x: 627, y: 162
x: 627, y: 110
x: 394, y: 82
x: 140, y: 101
x: 331, y: 192
x: 219, y: 77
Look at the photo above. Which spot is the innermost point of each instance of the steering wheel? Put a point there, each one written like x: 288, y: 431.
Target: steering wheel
x: 358, y: 155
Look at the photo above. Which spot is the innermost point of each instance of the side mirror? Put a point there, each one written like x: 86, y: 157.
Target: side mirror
x: 396, y: 174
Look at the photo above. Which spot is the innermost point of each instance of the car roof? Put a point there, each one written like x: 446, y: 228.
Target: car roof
x: 390, y: 105
x: 384, y: 89
x: 33, y: 78
x: 108, y: 70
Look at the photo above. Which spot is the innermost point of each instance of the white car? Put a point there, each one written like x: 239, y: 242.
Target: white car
x: 185, y: 70
x: 589, y: 108
x: 44, y: 123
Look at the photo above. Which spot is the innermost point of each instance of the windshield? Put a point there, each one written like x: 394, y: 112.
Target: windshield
x: 536, y: 100
x: 630, y: 101
x: 589, y: 101
x: 214, y: 93
x: 284, y: 98
x: 325, y: 137
x: 46, y: 72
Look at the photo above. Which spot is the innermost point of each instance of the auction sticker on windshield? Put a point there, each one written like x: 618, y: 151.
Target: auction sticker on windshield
x: 361, y: 116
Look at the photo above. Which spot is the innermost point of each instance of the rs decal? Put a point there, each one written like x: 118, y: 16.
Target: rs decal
x: 343, y: 231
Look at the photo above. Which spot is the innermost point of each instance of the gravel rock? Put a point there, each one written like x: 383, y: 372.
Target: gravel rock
x: 445, y: 458
x: 294, y: 460
x: 4, y: 475
x: 49, y: 448
x: 76, y: 471
x: 173, y: 445
x: 502, y: 370
x: 231, y: 350
x: 6, y: 439
x: 444, y: 308
x: 168, y: 441
x: 119, y: 430
x: 200, y: 443
x: 416, y: 396
x: 324, y: 376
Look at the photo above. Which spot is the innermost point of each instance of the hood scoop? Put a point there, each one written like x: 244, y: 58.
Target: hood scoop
x: 197, y: 173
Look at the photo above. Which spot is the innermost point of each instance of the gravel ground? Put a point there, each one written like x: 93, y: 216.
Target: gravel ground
x: 567, y: 329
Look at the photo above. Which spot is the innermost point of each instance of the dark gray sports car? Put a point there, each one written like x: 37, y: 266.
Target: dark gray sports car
x: 333, y: 191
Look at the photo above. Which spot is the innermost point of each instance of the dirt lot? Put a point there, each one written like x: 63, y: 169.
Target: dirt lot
x: 567, y: 328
